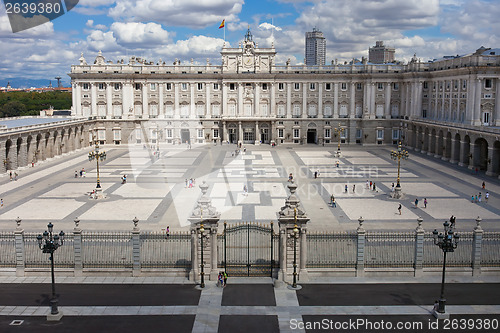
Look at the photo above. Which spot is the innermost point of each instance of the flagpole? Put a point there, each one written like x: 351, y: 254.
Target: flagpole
x: 224, y: 31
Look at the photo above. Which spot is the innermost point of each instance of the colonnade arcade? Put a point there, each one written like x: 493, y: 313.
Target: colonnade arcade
x: 469, y: 148
x: 21, y: 149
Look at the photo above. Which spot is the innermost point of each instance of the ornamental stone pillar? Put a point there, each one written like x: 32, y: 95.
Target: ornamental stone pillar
x: 77, y: 245
x: 477, y: 247
x: 292, y: 216
x: 204, y: 214
x: 136, y: 251
x: 19, y: 244
x: 360, y: 256
x: 419, y: 248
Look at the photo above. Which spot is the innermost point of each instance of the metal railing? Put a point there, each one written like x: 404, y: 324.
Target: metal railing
x: 161, y: 251
x: 35, y: 258
x: 331, y: 250
x: 490, y: 249
x: 7, y: 249
x: 107, y: 250
x: 389, y: 249
x: 461, y: 257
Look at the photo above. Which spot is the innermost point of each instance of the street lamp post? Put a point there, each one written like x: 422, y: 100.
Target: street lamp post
x: 295, y: 236
x: 202, y: 230
x: 338, y: 131
x: 398, y: 155
x: 447, y: 242
x: 97, y: 155
x: 49, y: 244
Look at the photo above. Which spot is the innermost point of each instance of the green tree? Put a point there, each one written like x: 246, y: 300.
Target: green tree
x: 12, y: 109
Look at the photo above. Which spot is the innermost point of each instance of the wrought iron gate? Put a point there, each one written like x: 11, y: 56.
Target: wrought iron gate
x: 248, y: 249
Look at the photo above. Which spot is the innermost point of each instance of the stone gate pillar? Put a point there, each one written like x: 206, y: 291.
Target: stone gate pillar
x: 204, y: 225
x: 292, y: 221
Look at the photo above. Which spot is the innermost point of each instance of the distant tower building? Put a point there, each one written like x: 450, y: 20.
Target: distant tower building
x: 381, y: 54
x: 315, y: 48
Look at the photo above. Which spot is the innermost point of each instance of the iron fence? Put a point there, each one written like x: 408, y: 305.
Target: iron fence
x: 107, y: 250
x: 161, y: 251
x: 7, y: 249
x: 331, y: 250
x: 461, y: 257
x: 64, y: 256
x: 389, y: 249
x: 490, y: 256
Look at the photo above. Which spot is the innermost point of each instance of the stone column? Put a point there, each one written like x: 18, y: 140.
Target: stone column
x: 453, y: 157
x: 477, y: 247
x: 371, y: 107
x: 320, y: 99
x: 387, y: 111
x: 437, y: 148
x: 208, y: 101
x: 419, y: 248
x: 77, y: 245
x: 292, y: 216
x: 257, y: 101
x: 192, y: 112
x: 360, y: 257
x: 289, y: 100
x: 204, y: 214
x: 272, y: 111
x: 109, y: 100
x: 224, y: 131
x: 240, y: 112
x: 304, y: 100
x: 176, y: 101
x: 73, y: 98
x: 496, y: 117
x: 476, y: 120
x: 136, y: 252
x: 352, y: 102
x: 145, y: 101
x: 93, y: 99
x: 240, y: 133
x: 78, y: 100
x: 19, y: 243
x: 472, y: 160
x: 490, y: 162
x: 336, y: 100
x: 257, y: 134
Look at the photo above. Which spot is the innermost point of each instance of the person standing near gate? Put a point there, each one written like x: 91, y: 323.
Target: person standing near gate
x: 399, y: 209
x: 225, y: 278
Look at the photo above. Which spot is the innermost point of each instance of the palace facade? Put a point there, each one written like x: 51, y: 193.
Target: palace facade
x: 448, y: 108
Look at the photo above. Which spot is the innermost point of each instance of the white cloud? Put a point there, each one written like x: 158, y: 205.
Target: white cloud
x: 268, y: 26
x: 102, y: 41
x: 190, y: 13
x: 133, y: 34
x: 195, y: 47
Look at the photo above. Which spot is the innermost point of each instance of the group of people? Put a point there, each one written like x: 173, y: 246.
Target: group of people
x: 222, y: 279
x: 13, y: 176
x: 479, y: 197
x: 370, y: 185
x: 82, y: 173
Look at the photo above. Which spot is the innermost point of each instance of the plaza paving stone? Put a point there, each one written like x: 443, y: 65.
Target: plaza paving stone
x: 156, y: 192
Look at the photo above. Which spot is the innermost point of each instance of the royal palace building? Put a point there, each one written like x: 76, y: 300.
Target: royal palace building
x: 448, y: 108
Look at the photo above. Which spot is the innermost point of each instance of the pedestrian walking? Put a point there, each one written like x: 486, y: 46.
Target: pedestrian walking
x: 167, y: 232
x: 15, y: 176
x: 315, y: 174
x: 225, y: 278
x: 483, y: 185
x: 334, y: 204
x: 245, y: 190
x: 486, y: 196
x: 472, y: 199
x: 10, y: 174
x: 332, y: 199
x: 452, y: 221
x: 84, y: 172
x: 425, y: 202
x: 371, y: 184
x: 220, y: 279
x: 81, y: 173
x: 1, y: 202
x: 475, y: 198
x: 479, y: 197
x: 392, y: 188
x: 76, y: 174
x: 345, y: 188
x: 367, y: 184
x: 374, y: 187
x: 186, y: 181
x: 416, y: 202
x: 290, y: 178
x: 353, y: 188
x: 338, y: 163
x: 399, y: 209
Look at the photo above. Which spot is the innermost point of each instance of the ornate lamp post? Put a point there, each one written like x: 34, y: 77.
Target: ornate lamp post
x: 49, y: 244
x: 398, y: 155
x: 97, y: 155
x: 202, y: 230
x: 338, y: 131
x: 295, y: 236
x: 447, y: 242
x: 6, y: 163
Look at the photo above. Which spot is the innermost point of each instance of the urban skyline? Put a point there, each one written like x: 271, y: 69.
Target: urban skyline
x: 188, y: 29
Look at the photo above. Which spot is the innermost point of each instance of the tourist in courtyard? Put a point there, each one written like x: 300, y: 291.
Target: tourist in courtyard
x: 399, y: 209
x: 367, y: 184
x: 345, y: 188
x: 353, y: 188
x: 479, y: 197
x: 76, y: 174
x: 374, y: 187
x: 416, y: 202
x: 472, y: 198
x: 486, y: 196
x: 334, y: 204
x: 1, y: 202
x: 392, y: 188
x: 315, y: 174
x: 290, y: 178
x: 332, y: 200
x: 483, y: 185
x: 425, y: 202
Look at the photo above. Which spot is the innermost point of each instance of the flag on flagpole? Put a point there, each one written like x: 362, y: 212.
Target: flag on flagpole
x: 223, y: 23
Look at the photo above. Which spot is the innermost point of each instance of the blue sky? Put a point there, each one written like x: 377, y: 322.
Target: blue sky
x: 188, y: 29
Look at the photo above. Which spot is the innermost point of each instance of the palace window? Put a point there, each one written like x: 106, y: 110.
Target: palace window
x: 232, y: 86
x: 86, y: 86
x: 327, y: 133
x: 152, y: 86
x: 343, y: 86
x: 296, y: 86
x: 101, y: 86
x: 281, y: 86
x: 184, y: 86
x: 118, y: 86
x: 328, y: 86
x: 169, y: 86
x: 216, y: 132
x: 359, y: 86
x: 487, y: 83
x: 216, y: 86
x: 380, y: 86
x: 296, y: 133
x: 200, y: 86
x: 312, y: 86
x: 281, y: 133
x: 264, y: 86
x: 138, y: 86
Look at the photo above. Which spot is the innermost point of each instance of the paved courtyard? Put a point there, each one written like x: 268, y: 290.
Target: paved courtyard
x: 156, y: 191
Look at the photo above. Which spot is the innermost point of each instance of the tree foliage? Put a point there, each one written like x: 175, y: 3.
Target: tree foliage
x: 20, y: 103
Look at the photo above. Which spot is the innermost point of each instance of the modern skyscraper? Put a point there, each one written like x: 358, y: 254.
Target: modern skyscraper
x: 315, y: 48
x: 381, y: 54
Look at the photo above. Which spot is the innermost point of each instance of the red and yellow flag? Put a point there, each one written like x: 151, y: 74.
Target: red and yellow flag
x: 222, y: 24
